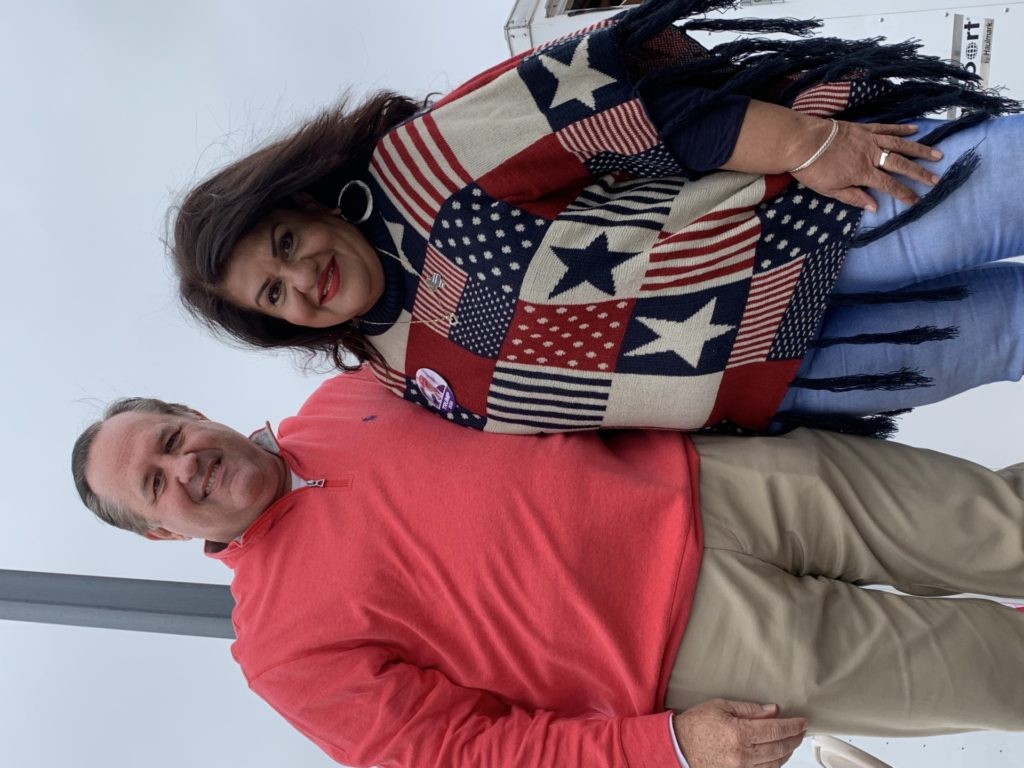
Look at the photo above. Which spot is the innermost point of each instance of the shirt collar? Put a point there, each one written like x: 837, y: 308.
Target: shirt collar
x: 266, y: 439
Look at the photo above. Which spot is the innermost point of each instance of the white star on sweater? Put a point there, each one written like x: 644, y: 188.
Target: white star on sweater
x: 576, y: 80
x: 685, y: 338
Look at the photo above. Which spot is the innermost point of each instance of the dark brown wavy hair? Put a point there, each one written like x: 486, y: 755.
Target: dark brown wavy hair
x: 315, y: 160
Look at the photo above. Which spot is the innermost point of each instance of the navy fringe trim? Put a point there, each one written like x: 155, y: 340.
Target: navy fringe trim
x: 881, y: 425
x: 756, y: 67
x: 966, y: 120
x: 832, y: 59
x: 931, y: 85
x: 904, y: 378
x: 913, y: 98
x: 638, y: 25
x: 951, y: 180
x: 797, y: 27
x: 951, y: 293
x: 918, y: 335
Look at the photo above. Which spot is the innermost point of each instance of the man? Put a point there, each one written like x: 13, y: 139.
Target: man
x: 408, y: 594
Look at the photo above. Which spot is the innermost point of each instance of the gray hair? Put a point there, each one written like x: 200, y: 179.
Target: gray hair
x: 106, y: 510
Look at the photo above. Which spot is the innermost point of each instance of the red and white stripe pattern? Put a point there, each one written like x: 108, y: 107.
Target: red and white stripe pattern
x: 578, y: 33
x: 823, y: 100
x: 714, y: 250
x: 389, y: 377
x: 624, y: 129
x: 770, y: 295
x: 417, y: 167
x: 435, y: 307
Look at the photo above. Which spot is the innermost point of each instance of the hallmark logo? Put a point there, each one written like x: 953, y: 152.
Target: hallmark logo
x: 972, y: 47
x: 972, y: 44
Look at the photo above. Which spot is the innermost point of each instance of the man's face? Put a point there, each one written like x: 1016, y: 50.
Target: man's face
x: 189, y: 477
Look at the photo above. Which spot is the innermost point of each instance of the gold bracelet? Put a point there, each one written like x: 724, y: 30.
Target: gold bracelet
x: 821, y: 150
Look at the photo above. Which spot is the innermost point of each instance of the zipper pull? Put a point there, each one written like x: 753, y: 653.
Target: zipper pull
x: 315, y: 483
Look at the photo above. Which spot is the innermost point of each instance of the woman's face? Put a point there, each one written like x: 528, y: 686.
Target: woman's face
x: 309, y: 268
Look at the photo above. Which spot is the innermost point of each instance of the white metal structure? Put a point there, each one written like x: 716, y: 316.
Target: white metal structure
x: 830, y: 752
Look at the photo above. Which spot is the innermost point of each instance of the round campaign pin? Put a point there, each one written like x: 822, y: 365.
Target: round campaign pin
x: 436, y: 390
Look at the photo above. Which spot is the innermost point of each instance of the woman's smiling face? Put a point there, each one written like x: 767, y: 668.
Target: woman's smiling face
x: 309, y: 268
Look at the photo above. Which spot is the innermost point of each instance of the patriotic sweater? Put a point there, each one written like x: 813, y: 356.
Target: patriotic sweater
x: 554, y: 264
x: 416, y: 605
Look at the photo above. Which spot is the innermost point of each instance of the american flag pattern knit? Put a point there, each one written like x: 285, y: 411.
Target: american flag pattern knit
x: 564, y: 272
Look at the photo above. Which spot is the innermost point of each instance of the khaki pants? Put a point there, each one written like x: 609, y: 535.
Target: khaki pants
x: 795, y: 525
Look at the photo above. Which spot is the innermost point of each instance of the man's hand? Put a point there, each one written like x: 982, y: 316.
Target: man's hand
x: 737, y: 734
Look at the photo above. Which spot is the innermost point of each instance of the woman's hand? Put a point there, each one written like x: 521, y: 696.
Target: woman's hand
x: 775, y: 139
x: 854, y: 161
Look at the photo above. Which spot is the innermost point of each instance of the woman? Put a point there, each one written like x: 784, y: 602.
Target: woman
x: 607, y: 233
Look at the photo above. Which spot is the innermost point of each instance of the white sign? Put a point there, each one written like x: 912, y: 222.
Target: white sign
x: 972, y: 45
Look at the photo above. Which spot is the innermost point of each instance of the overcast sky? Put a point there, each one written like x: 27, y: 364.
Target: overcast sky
x: 112, y: 109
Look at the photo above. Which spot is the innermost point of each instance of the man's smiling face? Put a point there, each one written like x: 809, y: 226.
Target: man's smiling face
x: 189, y: 477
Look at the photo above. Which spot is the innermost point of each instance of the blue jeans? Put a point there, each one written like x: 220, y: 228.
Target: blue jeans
x: 955, y: 244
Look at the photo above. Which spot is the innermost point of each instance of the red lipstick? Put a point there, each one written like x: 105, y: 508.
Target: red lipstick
x: 328, y: 283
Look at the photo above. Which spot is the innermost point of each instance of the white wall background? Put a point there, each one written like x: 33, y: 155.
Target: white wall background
x: 109, y: 110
